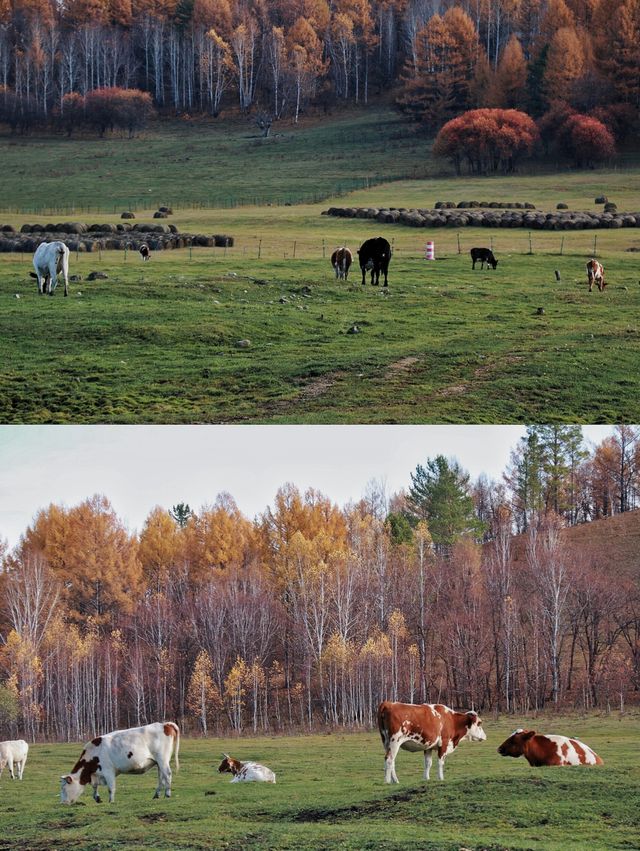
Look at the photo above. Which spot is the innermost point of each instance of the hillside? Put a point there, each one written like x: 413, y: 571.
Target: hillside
x: 612, y: 543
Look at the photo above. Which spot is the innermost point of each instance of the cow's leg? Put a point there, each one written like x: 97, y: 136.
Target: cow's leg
x: 390, y: 760
x: 428, y: 759
x: 442, y: 753
x: 386, y: 282
x: 95, y: 783
x: 10, y: 764
x: 41, y: 282
x: 109, y: 781
x: 20, y: 767
x: 364, y: 275
x: 164, y: 780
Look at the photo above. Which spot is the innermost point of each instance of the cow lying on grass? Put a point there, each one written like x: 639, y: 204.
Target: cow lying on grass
x: 50, y: 260
x: 132, y: 751
x: 246, y: 771
x: 539, y: 749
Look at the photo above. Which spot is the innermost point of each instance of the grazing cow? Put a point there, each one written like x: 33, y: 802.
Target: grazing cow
x: 246, y: 771
x: 424, y: 727
x: 132, y: 751
x: 50, y: 260
x: 374, y: 255
x: 484, y: 255
x: 13, y: 754
x: 548, y: 750
x: 341, y: 260
x: 595, y: 274
x: 144, y: 250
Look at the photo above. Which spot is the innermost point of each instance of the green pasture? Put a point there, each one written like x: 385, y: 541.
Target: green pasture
x: 330, y: 794
x: 157, y: 342
x: 211, y: 163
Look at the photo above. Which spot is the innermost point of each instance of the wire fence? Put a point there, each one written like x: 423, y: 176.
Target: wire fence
x: 407, y: 244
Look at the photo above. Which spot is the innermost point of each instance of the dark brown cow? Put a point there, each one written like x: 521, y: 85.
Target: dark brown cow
x: 374, y: 256
x: 424, y: 727
x: 595, y: 274
x: 484, y: 255
x: 341, y: 260
x: 539, y: 749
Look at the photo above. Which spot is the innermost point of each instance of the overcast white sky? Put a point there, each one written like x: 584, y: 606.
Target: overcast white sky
x: 139, y: 467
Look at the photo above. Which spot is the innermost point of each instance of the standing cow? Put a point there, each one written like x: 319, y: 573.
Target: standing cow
x: 484, y: 255
x: 132, y: 751
x: 145, y: 252
x: 595, y: 274
x: 425, y: 727
x: 375, y: 255
x: 14, y: 754
x: 539, y: 749
x: 341, y: 260
x: 50, y: 260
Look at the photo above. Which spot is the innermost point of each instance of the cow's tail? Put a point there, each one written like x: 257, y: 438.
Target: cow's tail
x: 383, y: 725
x: 172, y: 729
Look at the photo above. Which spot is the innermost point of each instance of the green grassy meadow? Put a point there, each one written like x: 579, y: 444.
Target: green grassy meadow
x: 157, y: 343
x: 330, y: 794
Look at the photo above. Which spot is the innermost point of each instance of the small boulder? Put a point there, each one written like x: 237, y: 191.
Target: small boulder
x: 97, y: 276
x: 243, y: 344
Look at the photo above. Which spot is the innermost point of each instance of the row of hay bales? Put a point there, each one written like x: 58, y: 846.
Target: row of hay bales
x: 108, y: 237
x: 493, y: 218
x: 493, y: 205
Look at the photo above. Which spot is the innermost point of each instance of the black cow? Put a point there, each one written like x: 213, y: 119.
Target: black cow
x: 374, y: 255
x: 484, y: 255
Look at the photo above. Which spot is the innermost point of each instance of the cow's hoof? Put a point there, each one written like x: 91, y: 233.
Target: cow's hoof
x: 155, y: 796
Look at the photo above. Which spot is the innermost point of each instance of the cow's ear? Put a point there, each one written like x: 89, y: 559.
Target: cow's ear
x: 528, y: 734
x: 68, y: 778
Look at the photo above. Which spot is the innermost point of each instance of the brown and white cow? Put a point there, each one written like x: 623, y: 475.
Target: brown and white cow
x: 424, y: 727
x: 341, y: 260
x: 132, y: 751
x: 245, y: 772
x: 595, y: 274
x: 539, y: 749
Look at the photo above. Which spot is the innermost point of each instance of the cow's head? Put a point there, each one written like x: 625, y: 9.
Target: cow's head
x: 70, y: 788
x: 474, y: 733
x: 493, y: 262
x: 229, y: 764
x: 514, y: 745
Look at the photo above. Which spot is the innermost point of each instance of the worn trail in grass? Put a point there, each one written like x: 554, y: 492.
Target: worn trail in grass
x: 330, y: 794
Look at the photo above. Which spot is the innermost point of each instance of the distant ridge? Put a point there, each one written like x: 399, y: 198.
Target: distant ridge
x: 611, y: 543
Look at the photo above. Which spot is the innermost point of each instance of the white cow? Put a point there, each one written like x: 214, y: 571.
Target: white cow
x: 246, y: 771
x: 50, y: 260
x: 13, y: 754
x: 132, y: 751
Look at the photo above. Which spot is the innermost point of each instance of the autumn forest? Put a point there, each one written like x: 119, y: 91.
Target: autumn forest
x: 476, y: 593
x: 434, y: 58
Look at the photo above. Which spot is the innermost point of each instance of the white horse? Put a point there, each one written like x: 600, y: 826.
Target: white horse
x: 50, y: 260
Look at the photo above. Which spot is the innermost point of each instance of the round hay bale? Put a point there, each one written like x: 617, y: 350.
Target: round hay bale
x: 166, y: 210
x: 362, y: 213
x: 159, y: 215
x: 36, y: 229
x: 349, y: 212
x: 610, y: 207
x: 8, y: 229
x: 601, y: 199
x: 127, y: 214
x: 529, y: 206
x: 562, y: 206
x: 75, y: 227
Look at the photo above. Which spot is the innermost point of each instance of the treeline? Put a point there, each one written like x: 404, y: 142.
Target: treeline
x: 439, y: 58
x: 311, y: 614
